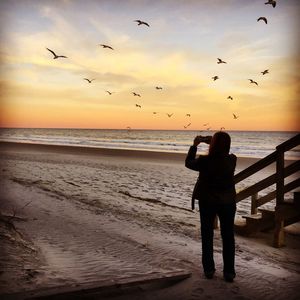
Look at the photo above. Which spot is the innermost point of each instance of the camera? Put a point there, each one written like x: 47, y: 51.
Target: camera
x: 206, y: 139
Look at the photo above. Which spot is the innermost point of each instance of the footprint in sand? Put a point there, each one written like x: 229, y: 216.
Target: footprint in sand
x: 196, y: 292
x: 248, y: 258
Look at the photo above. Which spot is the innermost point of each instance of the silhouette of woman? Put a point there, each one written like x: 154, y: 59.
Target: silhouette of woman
x: 215, y: 191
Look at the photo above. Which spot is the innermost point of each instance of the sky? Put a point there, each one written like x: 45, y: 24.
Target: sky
x: 178, y: 52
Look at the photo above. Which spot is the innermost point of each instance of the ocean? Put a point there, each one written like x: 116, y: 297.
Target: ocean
x: 256, y: 144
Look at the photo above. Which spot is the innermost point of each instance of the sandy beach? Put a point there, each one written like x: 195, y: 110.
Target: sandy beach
x: 86, y: 214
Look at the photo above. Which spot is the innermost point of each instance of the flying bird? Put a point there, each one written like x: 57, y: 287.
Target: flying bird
x: 265, y: 72
x: 137, y: 105
x: 263, y: 19
x: 272, y: 2
x: 229, y: 97
x: 158, y: 87
x: 188, y: 115
x: 187, y: 125
x: 155, y: 112
x: 222, y: 128
x: 169, y: 115
x: 235, y: 116
x: 136, y: 94
x: 106, y: 46
x: 89, y: 80
x: 215, y: 78
x: 252, y: 81
x: 205, y: 124
x: 141, y: 23
x: 220, y: 61
x: 108, y: 92
x: 55, y: 55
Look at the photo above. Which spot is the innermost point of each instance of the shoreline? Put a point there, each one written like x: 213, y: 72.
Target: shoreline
x: 121, y: 154
x: 94, y: 151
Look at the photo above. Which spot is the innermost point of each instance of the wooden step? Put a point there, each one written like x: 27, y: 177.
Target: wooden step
x: 249, y: 225
x: 267, y: 213
x: 253, y: 216
x: 240, y: 227
x: 259, y: 222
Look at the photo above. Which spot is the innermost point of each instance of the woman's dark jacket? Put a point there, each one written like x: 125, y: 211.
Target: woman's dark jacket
x: 215, y: 183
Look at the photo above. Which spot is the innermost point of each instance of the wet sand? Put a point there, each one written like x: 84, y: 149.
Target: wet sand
x: 96, y: 214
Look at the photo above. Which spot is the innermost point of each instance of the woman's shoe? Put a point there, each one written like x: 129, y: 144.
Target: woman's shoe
x: 229, y: 277
x: 209, y: 275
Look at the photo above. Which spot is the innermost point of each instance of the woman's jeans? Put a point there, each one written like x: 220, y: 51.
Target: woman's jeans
x: 226, y: 213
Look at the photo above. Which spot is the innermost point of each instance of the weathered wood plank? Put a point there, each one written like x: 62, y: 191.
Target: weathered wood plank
x: 289, y: 144
x: 279, y: 177
x: 271, y: 158
x: 285, y: 146
x: 254, y: 198
x: 91, y: 290
x: 290, y: 169
x: 287, y: 188
x: 278, y: 238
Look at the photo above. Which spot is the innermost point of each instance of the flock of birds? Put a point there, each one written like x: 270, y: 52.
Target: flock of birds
x: 219, y: 61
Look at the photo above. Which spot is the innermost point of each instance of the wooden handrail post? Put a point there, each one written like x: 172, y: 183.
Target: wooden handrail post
x: 216, y: 225
x: 279, y: 222
x: 279, y: 177
x: 254, y: 198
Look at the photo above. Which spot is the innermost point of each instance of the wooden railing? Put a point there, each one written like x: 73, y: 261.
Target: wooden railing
x: 277, y: 178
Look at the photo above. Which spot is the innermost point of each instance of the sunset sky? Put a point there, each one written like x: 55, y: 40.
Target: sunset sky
x: 178, y: 52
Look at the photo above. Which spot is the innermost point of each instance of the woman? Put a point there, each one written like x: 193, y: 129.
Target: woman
x: 216, y: 193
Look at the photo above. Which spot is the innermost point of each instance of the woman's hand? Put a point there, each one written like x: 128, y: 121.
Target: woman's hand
x: 197, y: 140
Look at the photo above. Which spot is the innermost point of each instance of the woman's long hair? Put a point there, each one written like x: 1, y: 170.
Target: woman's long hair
x: 220, y: 144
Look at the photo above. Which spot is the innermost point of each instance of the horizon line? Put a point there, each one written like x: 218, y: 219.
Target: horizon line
x: 143, y: 129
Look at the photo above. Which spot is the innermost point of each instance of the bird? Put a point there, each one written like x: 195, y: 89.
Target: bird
x: 141, y: 23
x: 265, y: 72
x: 137, y: 105
x: 235, y: 116
x: 106, y: 46
x: 252, y: 81
x: 222, y: 128
x: 188, y: 115
x: 263, y: 19
x: 136, y: 94
x: 272, y: 2
x: 89, y: 80
x: 220, y: 61
x: 229, y: 97
x: 158, y: 87
x: 205, y: 124
x: 215, y: 78
x: 128, y: 127
x: 187, y: 125
x: 155, y: 112
x: 169, y: 115
x: 109, y: 92
x: 55, y: 55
